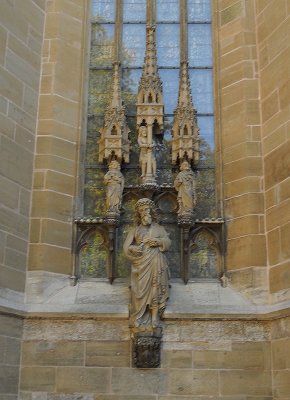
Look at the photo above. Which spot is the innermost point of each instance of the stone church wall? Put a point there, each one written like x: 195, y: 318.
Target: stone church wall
x: 91, y: 359
x: 86, y: 357
x: 21, y: 33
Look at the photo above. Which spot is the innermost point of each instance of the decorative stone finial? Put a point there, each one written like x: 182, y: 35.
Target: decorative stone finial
x: 114, y: 143
x: 185, y: 132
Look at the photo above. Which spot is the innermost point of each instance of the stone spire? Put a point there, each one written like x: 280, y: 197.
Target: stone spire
x: 185, y: 142
x: 149, y: 109
x: 114, y: 143
x: 150, y: 99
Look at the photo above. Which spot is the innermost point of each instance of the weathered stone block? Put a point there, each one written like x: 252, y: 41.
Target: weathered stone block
x: 7, y: 126
x: 192, y: 382
x: 14, y: 223
x: 54, y: 163
x: 56, y: 146
x: 108, y: 354
x: 11, y: 87
x: 12, y: 351
x: 274, y: 246
x: 24, y: 138
x: 247, y: 251
x: 250, y: 203
x: 249, y: 184
x: 251, y: 356
x: 51, y: 353
x: 248, y: 225
x: 15, y: 259
x: 37, y: 379
x: 9, y: 379
x: 234, y: 11
x: 9, y: 193
x: 12, y: 279
x: 270, y: 106
x: 60, y: 183
x: 248, y: 166
x: 56, y: 232
x: 281, y: 384
x: 246, y: 383
x: 277, y: 165
x: 136, y: 381
x: 279, y: 277
x: 51, y: 258
x: 48, y: 204
x: 276, y: 214
x: 281, y: 354
x: 285, y: 242
x: 176, y: 359
x: 82, y: 380
x: 24, y: 52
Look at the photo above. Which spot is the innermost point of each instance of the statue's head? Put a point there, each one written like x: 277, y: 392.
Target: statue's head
x: 143, y: 131
x: 114, y: 164
x: 184, y: 166
x: 145, y: 212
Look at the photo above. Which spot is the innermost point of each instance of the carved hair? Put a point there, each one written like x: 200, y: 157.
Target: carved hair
x: 153, y: 209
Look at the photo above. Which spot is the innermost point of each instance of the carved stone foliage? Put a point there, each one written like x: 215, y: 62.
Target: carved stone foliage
x: 146, y: 350
x: 205, y: 255
x: 185, y: 142
x: 114, y: 142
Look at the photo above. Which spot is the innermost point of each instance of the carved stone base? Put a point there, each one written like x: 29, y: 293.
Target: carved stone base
x: 146, y: 349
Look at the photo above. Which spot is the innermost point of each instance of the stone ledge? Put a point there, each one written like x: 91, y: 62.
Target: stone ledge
x: 50, y: 295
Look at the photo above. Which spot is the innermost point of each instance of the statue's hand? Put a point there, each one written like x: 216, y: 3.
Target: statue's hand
x: 136, y: 250
x: 152, y: 242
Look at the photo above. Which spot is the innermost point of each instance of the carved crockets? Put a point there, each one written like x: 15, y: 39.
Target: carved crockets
x: 114, y: 143
x: 185, y: 142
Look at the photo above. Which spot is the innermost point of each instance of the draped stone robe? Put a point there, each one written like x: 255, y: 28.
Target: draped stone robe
x: 149, y: 273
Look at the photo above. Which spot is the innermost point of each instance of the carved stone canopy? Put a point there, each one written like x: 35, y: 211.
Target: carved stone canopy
x: 114, y: 143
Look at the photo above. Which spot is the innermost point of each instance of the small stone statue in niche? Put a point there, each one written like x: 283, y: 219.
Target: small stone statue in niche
x: 185, y: 185
x: 145, y: 246
x: 114, y: 180
x: 146, y: 158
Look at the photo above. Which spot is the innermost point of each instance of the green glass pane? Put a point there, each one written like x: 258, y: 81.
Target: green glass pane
x: 205, y: 194
x: 99, y: 89
x: 167, y: 10
x: 134, y: 39
x: 130, y: 82
x: 103, y: 10
x: 122, y: 262
x: 95, y: 193
x: 173, y: 254
x: 167, y: 39
x: 93, y: 258
x: 199, y: 10
x: 134, y: 11
x: 102, y: 45
x: 203, y: 260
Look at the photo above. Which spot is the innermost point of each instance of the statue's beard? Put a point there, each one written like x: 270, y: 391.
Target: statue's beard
x: 146, y: 220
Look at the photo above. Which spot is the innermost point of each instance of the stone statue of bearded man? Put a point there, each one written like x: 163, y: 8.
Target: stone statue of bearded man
x: 145, y: 246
